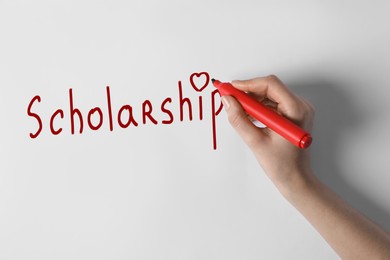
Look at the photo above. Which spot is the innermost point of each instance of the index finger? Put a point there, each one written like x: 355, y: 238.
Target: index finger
x: 271, y: 87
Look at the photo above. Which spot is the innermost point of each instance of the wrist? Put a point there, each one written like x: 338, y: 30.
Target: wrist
x: 301, y: 183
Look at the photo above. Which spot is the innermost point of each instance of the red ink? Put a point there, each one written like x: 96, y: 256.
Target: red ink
x: 200, y: 108
x: 214, y: 114
x: 131, y: 118
x: 147, y: 113
x: 109, y: 107
x: 170, y: 109
x: 198, y: 75
x: 53, y: 131
x: 74, y: 111
x: 36, y: 116
x: 90, y: 113
x: 182, y: 101
x: 167, y: 111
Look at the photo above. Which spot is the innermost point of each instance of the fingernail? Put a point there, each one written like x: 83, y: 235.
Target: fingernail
x: 225, y: 103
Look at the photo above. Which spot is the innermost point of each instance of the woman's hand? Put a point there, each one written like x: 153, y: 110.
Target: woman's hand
x: 285, y: 164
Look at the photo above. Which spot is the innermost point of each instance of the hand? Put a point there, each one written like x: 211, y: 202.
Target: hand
x: 350, y: 234
x: 285, y: 164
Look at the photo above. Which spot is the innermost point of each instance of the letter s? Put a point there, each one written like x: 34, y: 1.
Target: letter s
x: 29, y: 113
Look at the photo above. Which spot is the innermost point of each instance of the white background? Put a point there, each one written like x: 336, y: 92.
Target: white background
x: 162, y: 192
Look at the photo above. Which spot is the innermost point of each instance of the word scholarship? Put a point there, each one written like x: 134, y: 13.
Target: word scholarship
x: 124, y: 117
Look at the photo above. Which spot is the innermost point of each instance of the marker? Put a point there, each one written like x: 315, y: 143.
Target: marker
x: 265, y: 115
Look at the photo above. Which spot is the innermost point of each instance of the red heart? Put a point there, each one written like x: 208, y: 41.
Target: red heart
x: 198, y: 75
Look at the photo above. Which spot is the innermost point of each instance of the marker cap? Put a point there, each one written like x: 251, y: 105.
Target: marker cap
x: 305, y: 141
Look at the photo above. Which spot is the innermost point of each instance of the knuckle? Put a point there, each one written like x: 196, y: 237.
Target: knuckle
x: 306, y: 114
x: 272, y: 78
x: 312, y: 108
x: 309, y: 107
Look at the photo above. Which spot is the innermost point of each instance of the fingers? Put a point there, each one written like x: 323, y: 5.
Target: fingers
x: 272, y: 88
x: 274, y: 94
x: 238, y: 118
x: 307, y: 114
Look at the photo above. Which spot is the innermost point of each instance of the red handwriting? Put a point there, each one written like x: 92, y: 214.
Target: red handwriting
x: 125, y: 118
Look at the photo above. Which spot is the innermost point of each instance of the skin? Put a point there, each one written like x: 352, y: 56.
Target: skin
x: 349, y: 233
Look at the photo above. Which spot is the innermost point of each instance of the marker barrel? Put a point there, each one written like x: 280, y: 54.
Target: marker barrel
x: 265, y: 115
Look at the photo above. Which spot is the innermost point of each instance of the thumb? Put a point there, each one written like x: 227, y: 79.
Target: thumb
x: 239, y: 120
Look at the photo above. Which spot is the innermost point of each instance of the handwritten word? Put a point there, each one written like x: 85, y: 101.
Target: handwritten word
x: 124, y: 117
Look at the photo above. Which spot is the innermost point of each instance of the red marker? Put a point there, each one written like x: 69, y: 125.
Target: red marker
x: 268, y: 117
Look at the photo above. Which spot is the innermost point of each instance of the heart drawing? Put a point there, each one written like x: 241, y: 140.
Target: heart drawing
x: 199, y: 81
